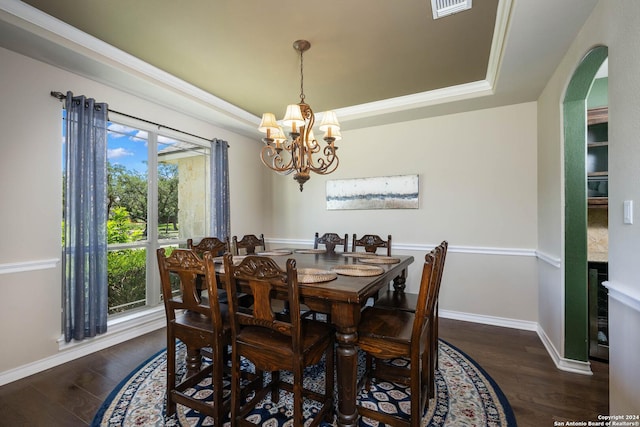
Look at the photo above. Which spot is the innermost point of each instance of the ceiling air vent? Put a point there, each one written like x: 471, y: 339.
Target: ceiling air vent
x: 443, y: 8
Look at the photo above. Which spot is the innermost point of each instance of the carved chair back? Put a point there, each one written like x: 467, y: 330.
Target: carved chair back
x: 330, y: 241
x: 371, y: 243
x: 209, y: 244
x: 249, y: 243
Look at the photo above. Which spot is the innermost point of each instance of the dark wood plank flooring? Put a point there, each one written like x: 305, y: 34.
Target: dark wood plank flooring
x: 538, y: 392
x: 70, y: 394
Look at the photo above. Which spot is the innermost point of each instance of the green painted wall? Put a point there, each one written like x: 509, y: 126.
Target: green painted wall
x: 576, y: 345
x: 599, y: 93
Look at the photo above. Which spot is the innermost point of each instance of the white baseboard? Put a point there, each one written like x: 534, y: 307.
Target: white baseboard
x: 489, y: 320
x: 568, y: 365
x: 119, y: 331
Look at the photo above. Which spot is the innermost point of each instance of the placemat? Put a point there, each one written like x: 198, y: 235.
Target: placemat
x: 379, y: 260
x: 278, y: 252
x: 236, y: 259
x: 311, y: 251
x: 219, y: 268
x: 315, y: 275
x: 359, y: 254
x: 358, y: 270
x: 281, y: 250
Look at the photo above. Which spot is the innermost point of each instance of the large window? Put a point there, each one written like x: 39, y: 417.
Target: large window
x: 157, y: 197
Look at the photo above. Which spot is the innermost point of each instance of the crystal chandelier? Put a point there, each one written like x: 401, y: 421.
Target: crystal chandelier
x: 301, y: 153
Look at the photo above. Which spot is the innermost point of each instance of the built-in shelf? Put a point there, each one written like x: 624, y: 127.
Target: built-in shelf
x: 598, y: 144
x: 598, y: 202
x: 598, y: 115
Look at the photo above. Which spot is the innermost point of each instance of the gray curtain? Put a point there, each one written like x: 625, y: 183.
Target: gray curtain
x: 220, y: 211
x: 84, y: 258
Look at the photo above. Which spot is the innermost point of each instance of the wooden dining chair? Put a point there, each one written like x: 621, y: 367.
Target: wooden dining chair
x: 248, y: 244
x: 385, y: 335
x: 330, y: 241
x: 394, y: 299
x: 371, y: 243
x: 198, y: 324
x: 275, y: 343
x: 209, y: 244
x: 401, y: 300
x: 217, y: 247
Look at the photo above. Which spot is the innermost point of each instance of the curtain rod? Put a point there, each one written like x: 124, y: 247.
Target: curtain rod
x: 62, y: 96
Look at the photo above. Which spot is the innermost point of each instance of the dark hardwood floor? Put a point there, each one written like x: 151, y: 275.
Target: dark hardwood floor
x: 69, y: 395
x: 538, y: 392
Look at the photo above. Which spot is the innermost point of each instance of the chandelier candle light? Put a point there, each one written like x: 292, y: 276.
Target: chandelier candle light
x: 301, y: 153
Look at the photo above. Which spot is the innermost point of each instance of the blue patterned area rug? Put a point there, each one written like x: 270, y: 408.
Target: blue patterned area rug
x: 466, y: 396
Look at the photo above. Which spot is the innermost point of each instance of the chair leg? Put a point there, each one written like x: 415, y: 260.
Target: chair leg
x: 368, y: 372
x: 236, y: 398
x: 429, y: 376
x: 298, y: 419
x: 433, y: 356
x: 216, y: 382
x: 329, y: 382
x: 275, y: 388
x: 416, y: 399
x: 171, y: 374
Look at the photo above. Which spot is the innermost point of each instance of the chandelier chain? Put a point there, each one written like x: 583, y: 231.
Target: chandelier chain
x: 302, y: 96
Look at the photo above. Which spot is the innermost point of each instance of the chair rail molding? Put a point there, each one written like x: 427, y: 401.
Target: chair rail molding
x: 25, y: 266
x: 623, y: 294
x: 552, y: 260
x: 421, y: 247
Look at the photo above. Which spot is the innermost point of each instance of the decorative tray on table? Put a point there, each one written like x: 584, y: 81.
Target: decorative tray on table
x: 315, y: 275
x: 358, y: 270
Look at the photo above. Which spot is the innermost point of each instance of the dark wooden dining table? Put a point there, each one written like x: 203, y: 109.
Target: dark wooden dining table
x: 344, y: 298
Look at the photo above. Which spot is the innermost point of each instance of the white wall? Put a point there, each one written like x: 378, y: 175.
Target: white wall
x: 615, y: 25
x: 30, y: 190
x: 477, y: 189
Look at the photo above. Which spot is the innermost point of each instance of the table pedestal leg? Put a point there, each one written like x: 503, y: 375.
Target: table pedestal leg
x: 347, y: 369
x: 399, y: 283
x: 193, y: 360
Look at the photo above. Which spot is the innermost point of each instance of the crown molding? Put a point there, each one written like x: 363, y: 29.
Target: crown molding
x: 461, y: 92
x: 128, y: 67
x: 416, y: 100
x: 226, y: 114
x: 503, y: 18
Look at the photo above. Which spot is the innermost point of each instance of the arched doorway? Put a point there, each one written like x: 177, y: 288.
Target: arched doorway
x: 576, y: 342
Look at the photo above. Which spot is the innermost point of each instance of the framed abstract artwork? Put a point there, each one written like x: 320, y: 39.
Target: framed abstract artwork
x: 385, y: 192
